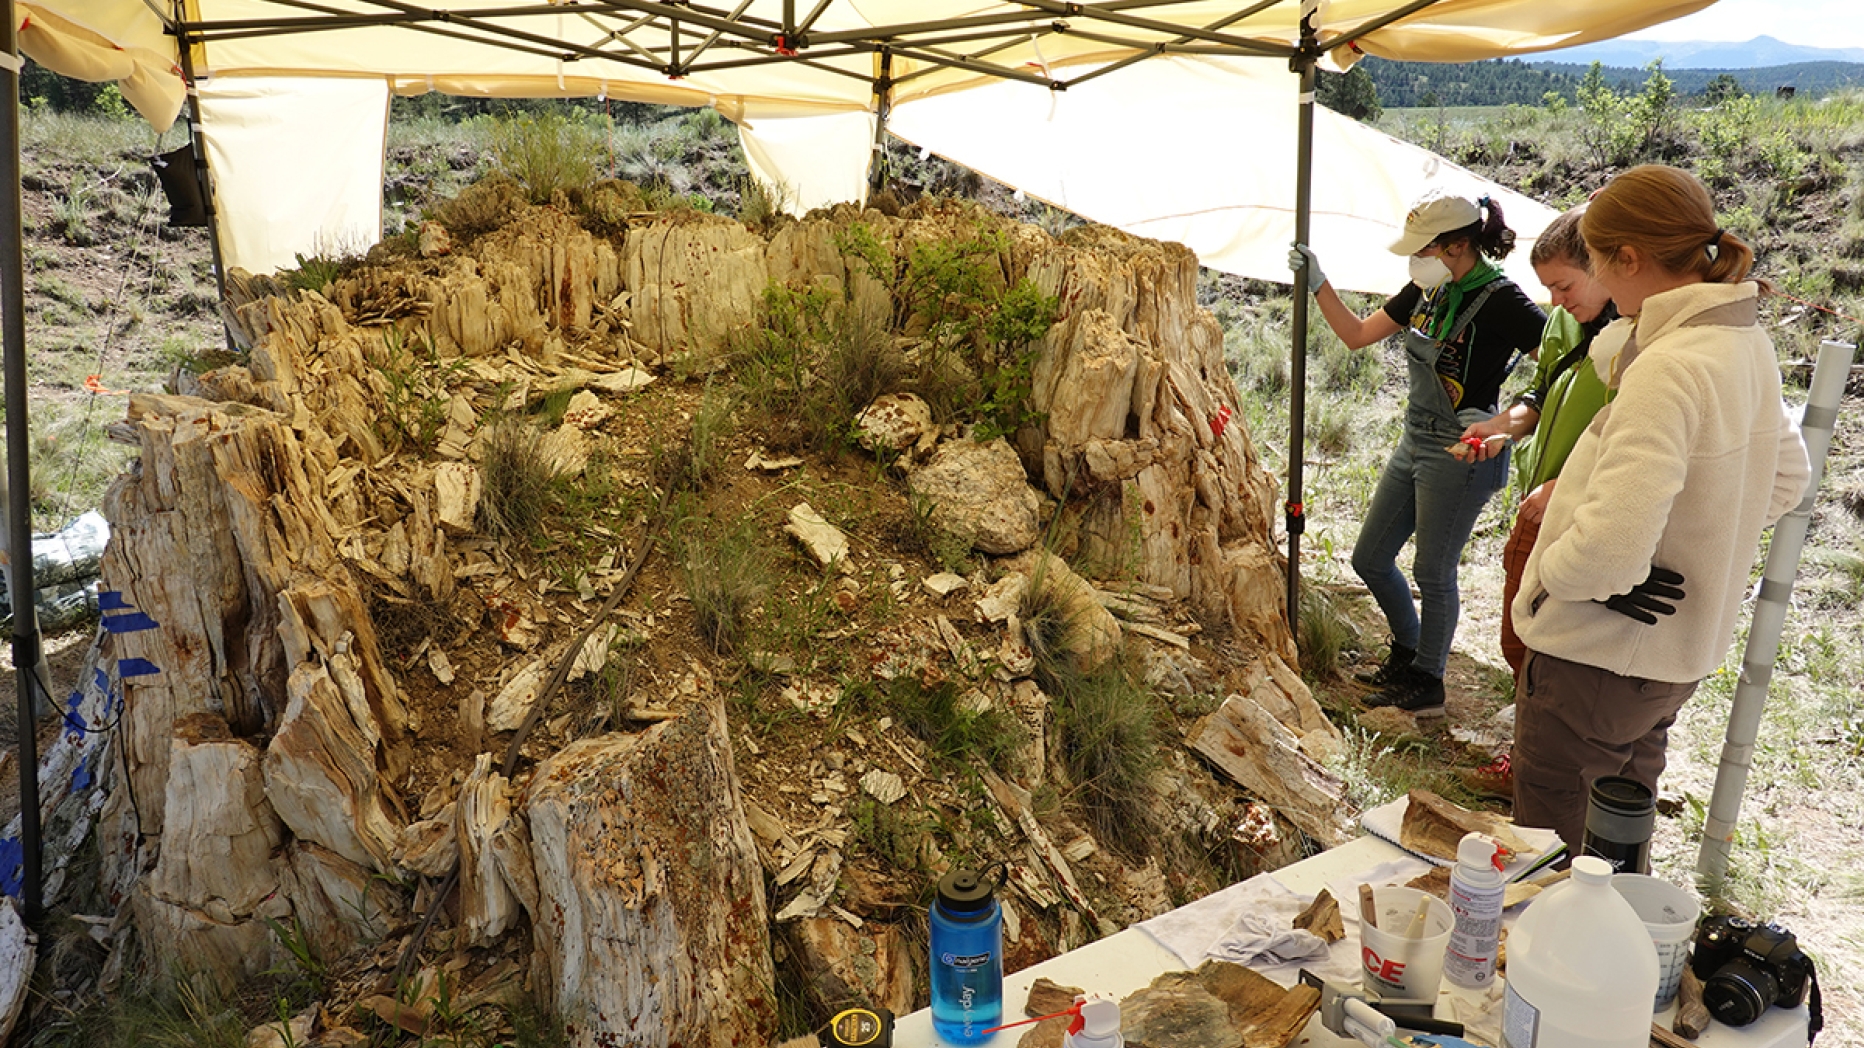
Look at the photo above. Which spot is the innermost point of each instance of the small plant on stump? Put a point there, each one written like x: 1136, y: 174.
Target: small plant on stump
x: 728, y: 576
x: 517, y: 484
x: 953, y: 728
x: 1108, y: 726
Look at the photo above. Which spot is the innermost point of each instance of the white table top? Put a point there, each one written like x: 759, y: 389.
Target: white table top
x: 1131, y: 959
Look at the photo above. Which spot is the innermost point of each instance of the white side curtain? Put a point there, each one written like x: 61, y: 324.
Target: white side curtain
x: 815, y: 160
x: 1202, y: 151
x: 297, y: 166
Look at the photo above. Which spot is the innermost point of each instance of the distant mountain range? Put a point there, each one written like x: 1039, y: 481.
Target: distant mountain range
x: 1701, y: 54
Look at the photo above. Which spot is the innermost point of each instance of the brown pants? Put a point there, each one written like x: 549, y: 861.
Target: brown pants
x: 1514, y: 562
x: 1574, y: 723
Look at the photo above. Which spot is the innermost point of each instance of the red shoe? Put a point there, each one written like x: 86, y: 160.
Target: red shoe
x: 1494, y: 779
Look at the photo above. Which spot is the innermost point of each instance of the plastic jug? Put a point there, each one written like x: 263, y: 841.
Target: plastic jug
x: 1582, y: 969
x: 967, y: 957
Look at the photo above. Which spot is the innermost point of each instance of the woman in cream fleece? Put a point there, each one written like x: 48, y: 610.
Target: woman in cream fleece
x: 1630, y: 596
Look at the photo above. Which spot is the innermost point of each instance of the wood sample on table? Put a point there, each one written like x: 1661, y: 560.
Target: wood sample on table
x: 1433, y: 826
x: 1267, y: 1015
x: 1322, y: 917
x: 1046, y: 997
x: 1692, y: 1016
x: 1437, y: 882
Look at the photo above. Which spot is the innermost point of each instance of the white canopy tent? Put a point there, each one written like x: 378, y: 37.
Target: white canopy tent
x: 978, y: 81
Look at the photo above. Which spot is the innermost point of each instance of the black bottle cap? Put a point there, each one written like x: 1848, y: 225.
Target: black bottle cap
x: 964, y: 892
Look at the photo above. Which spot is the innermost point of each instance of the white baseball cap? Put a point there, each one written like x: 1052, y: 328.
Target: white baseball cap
x: 1435, y: 214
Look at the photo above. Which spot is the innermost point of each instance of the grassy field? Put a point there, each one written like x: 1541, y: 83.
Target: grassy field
x: 113, y: 293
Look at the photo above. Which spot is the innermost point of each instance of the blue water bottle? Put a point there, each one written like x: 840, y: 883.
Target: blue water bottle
x: 967, y: 957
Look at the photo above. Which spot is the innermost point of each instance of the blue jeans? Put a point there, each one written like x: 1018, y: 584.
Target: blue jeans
x: 1427, y: 491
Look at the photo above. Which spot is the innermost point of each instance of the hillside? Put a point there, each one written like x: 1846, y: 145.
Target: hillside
x: 1760, y: 52
x: 1528, y: 82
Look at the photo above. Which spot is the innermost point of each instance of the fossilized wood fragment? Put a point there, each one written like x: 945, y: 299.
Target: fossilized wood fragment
x: 1433, y: 826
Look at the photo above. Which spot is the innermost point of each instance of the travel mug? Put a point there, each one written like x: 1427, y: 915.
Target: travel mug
x: 1619, y: 820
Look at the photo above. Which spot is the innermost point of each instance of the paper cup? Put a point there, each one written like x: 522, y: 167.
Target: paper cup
x: 1396, y: 966
x: 1669, y: 913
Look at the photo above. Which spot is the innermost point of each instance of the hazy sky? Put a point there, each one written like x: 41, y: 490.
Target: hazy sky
x: 1815, y: 23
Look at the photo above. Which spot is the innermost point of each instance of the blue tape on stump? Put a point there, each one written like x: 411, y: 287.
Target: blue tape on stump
x: 136, y: 668
x: 112, y: 600
x: 134, y: 622
x: 12, y: 858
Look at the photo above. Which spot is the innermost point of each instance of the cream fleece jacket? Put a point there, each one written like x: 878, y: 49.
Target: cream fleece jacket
x: 1694, y: 458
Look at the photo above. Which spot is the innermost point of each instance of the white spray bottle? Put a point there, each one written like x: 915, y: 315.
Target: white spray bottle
x: 1096, y: 1025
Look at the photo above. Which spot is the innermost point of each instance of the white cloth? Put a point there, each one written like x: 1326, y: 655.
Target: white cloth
x: 1683, y: 470
x: 1194, y: 931
x: 1257, y: 937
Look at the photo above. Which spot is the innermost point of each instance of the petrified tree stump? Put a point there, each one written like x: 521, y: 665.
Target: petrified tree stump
x: 651, y: 925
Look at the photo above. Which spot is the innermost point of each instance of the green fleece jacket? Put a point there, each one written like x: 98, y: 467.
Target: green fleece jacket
x: 1566, y: 401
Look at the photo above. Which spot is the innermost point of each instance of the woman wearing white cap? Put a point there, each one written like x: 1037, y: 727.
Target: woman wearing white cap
x: 1463, y: 322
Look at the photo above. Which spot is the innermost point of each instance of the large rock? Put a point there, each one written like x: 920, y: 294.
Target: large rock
x: 844, y: 965
x: 981, y: 492
x: 496, y: 878
x: 651, y: 926
x: 694, y: 278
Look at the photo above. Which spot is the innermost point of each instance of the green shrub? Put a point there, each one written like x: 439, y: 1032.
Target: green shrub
x: 956, y: 731
x: 546, y: 153
x: 760, y: 203
x: 72, y: 215
x: 1325, y: 631
x: 416, y: 394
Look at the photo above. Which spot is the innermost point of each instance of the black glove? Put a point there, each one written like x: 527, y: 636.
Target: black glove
x: 1647, y: 599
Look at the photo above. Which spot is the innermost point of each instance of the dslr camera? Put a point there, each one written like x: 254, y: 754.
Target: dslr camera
x: 1747, y: 968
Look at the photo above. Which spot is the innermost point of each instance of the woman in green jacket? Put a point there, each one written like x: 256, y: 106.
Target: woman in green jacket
x: 1549, y: 417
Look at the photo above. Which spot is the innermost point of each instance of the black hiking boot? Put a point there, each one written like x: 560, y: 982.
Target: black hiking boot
x: 1397, y: 659
x: 1411, y: 690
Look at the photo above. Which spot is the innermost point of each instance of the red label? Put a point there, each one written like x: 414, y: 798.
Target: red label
x: 1390, y: 971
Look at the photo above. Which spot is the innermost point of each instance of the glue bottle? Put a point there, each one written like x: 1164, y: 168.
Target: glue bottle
x: 1096, y: 1025
x: 967, y: 957
x: 1476, y: 887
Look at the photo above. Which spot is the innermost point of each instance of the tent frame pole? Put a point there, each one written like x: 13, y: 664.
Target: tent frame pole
x: 26, y: 653
x: 883, y: 108
x: 1770, y: 610
x: 184, y: 42
x: 1303, y: 64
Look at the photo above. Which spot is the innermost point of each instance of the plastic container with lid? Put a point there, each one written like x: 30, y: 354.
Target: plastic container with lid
x: 1582, y: 970
x: 967, y: 957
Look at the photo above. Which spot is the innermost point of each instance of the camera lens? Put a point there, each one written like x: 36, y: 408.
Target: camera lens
x: 1738, y: 993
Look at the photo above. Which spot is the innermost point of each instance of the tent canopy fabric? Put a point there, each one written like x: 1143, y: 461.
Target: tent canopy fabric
x: 809, y: 57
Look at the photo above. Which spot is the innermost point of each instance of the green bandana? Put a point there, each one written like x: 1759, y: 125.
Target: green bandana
x: 1443, y: 310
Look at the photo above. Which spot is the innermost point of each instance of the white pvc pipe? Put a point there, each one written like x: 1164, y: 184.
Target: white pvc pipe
x: 1770, y: 608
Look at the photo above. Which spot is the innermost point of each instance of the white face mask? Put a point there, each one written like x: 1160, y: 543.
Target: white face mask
x: 1428, y: 273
